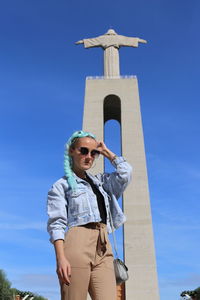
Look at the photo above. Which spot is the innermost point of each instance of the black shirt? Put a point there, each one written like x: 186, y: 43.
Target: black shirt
x: 100, y: 200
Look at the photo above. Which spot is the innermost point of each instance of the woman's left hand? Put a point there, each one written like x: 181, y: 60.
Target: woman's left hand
x: 105, y: 151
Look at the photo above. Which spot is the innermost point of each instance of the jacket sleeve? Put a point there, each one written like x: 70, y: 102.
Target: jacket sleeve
x: 117, y: 181
x: 57, y: 212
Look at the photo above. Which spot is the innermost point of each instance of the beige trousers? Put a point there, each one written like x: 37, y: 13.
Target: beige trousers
x: 90, y: 254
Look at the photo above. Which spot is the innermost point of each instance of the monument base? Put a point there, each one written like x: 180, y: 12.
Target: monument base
x: 118, y: 98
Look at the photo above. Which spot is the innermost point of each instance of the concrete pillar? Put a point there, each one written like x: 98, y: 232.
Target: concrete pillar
x: 118, y: 98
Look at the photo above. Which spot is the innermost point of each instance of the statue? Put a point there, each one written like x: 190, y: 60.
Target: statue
x: 111, y: 42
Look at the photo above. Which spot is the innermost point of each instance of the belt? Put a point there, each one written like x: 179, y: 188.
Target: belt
x: 101, y: 242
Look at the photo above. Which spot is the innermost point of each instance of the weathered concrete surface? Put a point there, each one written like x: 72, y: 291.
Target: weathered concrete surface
x: 111, y: 42
x: 138, y: 234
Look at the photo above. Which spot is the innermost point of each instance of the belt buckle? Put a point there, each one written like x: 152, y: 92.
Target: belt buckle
x: 98, y: 225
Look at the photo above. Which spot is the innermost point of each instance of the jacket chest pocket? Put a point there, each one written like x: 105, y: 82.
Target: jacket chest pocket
x: 78, y: 202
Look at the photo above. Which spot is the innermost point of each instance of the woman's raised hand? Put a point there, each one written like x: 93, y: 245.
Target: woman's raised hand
x: 105, y: 151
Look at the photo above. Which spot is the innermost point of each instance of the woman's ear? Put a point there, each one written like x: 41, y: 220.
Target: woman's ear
x: 71, y: 151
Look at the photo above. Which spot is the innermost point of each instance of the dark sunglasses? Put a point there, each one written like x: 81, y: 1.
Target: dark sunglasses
x: 84, y: 151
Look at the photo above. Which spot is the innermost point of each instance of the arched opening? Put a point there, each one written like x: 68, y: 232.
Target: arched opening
x: 112, y: 108
x: 112, y: 137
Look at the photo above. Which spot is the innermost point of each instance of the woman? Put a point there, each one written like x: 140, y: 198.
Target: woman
x: 81, y: 202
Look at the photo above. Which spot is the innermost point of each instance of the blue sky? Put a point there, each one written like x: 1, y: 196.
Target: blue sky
x: 42, y: 80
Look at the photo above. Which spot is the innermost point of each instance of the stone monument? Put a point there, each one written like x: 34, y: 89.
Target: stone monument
x: 116, y: 97
x: 111, y: 42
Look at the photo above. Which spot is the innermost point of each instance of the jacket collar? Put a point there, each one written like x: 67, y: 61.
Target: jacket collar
x: 78, y: 179
x: 92, y: 177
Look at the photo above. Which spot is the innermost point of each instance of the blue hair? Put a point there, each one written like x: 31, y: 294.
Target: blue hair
x: 67, y: 158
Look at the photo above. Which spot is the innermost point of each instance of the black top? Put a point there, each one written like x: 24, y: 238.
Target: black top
x: 100, y: 200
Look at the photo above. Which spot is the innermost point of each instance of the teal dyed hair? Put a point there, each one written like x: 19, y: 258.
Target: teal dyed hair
x: 68, y: 160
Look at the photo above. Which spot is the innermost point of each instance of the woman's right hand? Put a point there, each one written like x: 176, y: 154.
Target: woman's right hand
x: 63, y: 266
x: 63, y: 270
x: 105, y: 151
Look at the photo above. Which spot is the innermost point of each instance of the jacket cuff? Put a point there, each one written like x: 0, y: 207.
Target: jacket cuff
x: 118, y: 160
x: 57, y: 235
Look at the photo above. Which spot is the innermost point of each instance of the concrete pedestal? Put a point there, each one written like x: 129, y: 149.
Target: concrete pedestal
x: 118, y: 98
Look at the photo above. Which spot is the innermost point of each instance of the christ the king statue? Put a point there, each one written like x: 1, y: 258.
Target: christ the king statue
x: 111, y: 42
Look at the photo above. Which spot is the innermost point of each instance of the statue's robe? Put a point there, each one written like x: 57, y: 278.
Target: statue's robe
x: 111, y: 44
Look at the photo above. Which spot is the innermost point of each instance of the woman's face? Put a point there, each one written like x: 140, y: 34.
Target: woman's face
x: 83, y: 162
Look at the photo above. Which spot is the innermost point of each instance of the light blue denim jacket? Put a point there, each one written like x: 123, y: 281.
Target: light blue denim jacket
x: 67, y: 208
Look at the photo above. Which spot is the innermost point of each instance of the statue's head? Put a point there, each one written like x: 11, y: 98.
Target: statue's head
x: 111, y: 32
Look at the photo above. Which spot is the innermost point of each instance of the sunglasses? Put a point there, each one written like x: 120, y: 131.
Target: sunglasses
x: 84, y: 151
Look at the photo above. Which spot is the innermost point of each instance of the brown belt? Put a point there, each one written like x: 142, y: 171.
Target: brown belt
x: 101, y: 243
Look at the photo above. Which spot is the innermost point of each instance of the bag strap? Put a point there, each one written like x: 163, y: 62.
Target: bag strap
x: 113, y: 234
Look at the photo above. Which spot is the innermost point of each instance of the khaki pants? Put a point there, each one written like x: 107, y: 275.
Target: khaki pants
x: 90, y: 254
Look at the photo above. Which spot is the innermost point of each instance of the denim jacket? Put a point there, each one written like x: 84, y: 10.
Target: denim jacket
x: 67, y: 208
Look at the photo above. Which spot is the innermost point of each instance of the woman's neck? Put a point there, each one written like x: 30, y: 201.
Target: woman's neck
x: 80, y: 173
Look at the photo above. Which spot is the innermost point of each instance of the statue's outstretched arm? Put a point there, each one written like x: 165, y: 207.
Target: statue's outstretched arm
x: 79, y: 42
x: 93, y: 42
x: 142, y: 41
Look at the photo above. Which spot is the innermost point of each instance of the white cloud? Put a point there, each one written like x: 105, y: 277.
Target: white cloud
x: 20, y: 223
x: 35, y: 280
x: 43, y: 284
x: 22, y: 232
x: 23, y: 226
x: 190, y: 280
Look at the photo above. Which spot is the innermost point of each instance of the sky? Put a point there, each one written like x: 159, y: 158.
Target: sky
x: 42, y: 82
